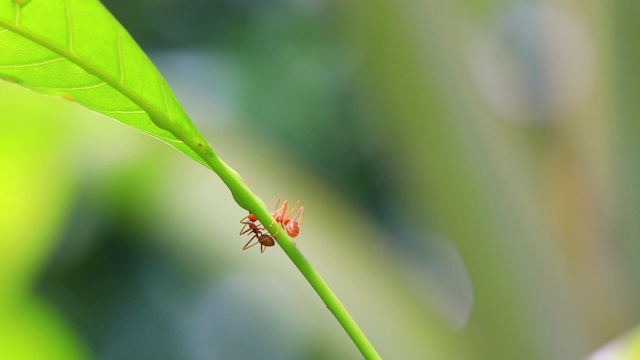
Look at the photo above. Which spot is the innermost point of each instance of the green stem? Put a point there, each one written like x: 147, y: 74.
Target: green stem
x: 249, y: 201
x: 330, y: 299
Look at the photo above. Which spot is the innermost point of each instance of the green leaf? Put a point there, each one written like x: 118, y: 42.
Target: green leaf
x: 76, y: 50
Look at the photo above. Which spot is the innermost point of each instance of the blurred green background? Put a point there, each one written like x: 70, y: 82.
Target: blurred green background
x: 469, y: 171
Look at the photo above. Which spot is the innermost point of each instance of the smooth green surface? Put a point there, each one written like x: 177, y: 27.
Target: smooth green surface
x: 76, y: 50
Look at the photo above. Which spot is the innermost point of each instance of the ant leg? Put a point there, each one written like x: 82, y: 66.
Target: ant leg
x: 277, y: 217
x: 299, y: 216
x: 247, y: 246
x: 275, y: 211
x: 245, y: 220
x: 244, y: 229
x: 248, y: 223
x: 278, y: 214
x: 285, y: 206
x: 292, y: 209
x: 278, y: 203
x: 262, y: 248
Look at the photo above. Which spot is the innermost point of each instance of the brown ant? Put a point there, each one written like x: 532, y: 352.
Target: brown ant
x: 264, y: 239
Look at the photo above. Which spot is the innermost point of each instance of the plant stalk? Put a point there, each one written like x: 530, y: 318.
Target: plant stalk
x: 249, y: 201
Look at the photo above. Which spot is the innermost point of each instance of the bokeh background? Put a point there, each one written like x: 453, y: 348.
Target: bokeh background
x: 469, y: 171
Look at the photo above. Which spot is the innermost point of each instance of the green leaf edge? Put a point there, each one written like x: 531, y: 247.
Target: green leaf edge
x: 242, y: 195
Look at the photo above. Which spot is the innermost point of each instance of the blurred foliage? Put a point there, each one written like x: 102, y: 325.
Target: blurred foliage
x: 469, y: 172
x: 35, y: 187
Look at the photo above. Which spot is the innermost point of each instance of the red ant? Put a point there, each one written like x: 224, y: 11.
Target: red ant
x: 265, y: 240
x: 292, y: 226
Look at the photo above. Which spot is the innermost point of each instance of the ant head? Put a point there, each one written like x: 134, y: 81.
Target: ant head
x: 252, y: 217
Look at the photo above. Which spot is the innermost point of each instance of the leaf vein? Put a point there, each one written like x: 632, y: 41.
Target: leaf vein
x: 69, y: 26
x: 18, y: 7
x: 47, y: 62
x: 23, y: 45
x: 166, y: 103
x: 168, y: 139
x: 90, y: 60
x: 120, y: 111
x: 88, y: 87
x: 119, y: 47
